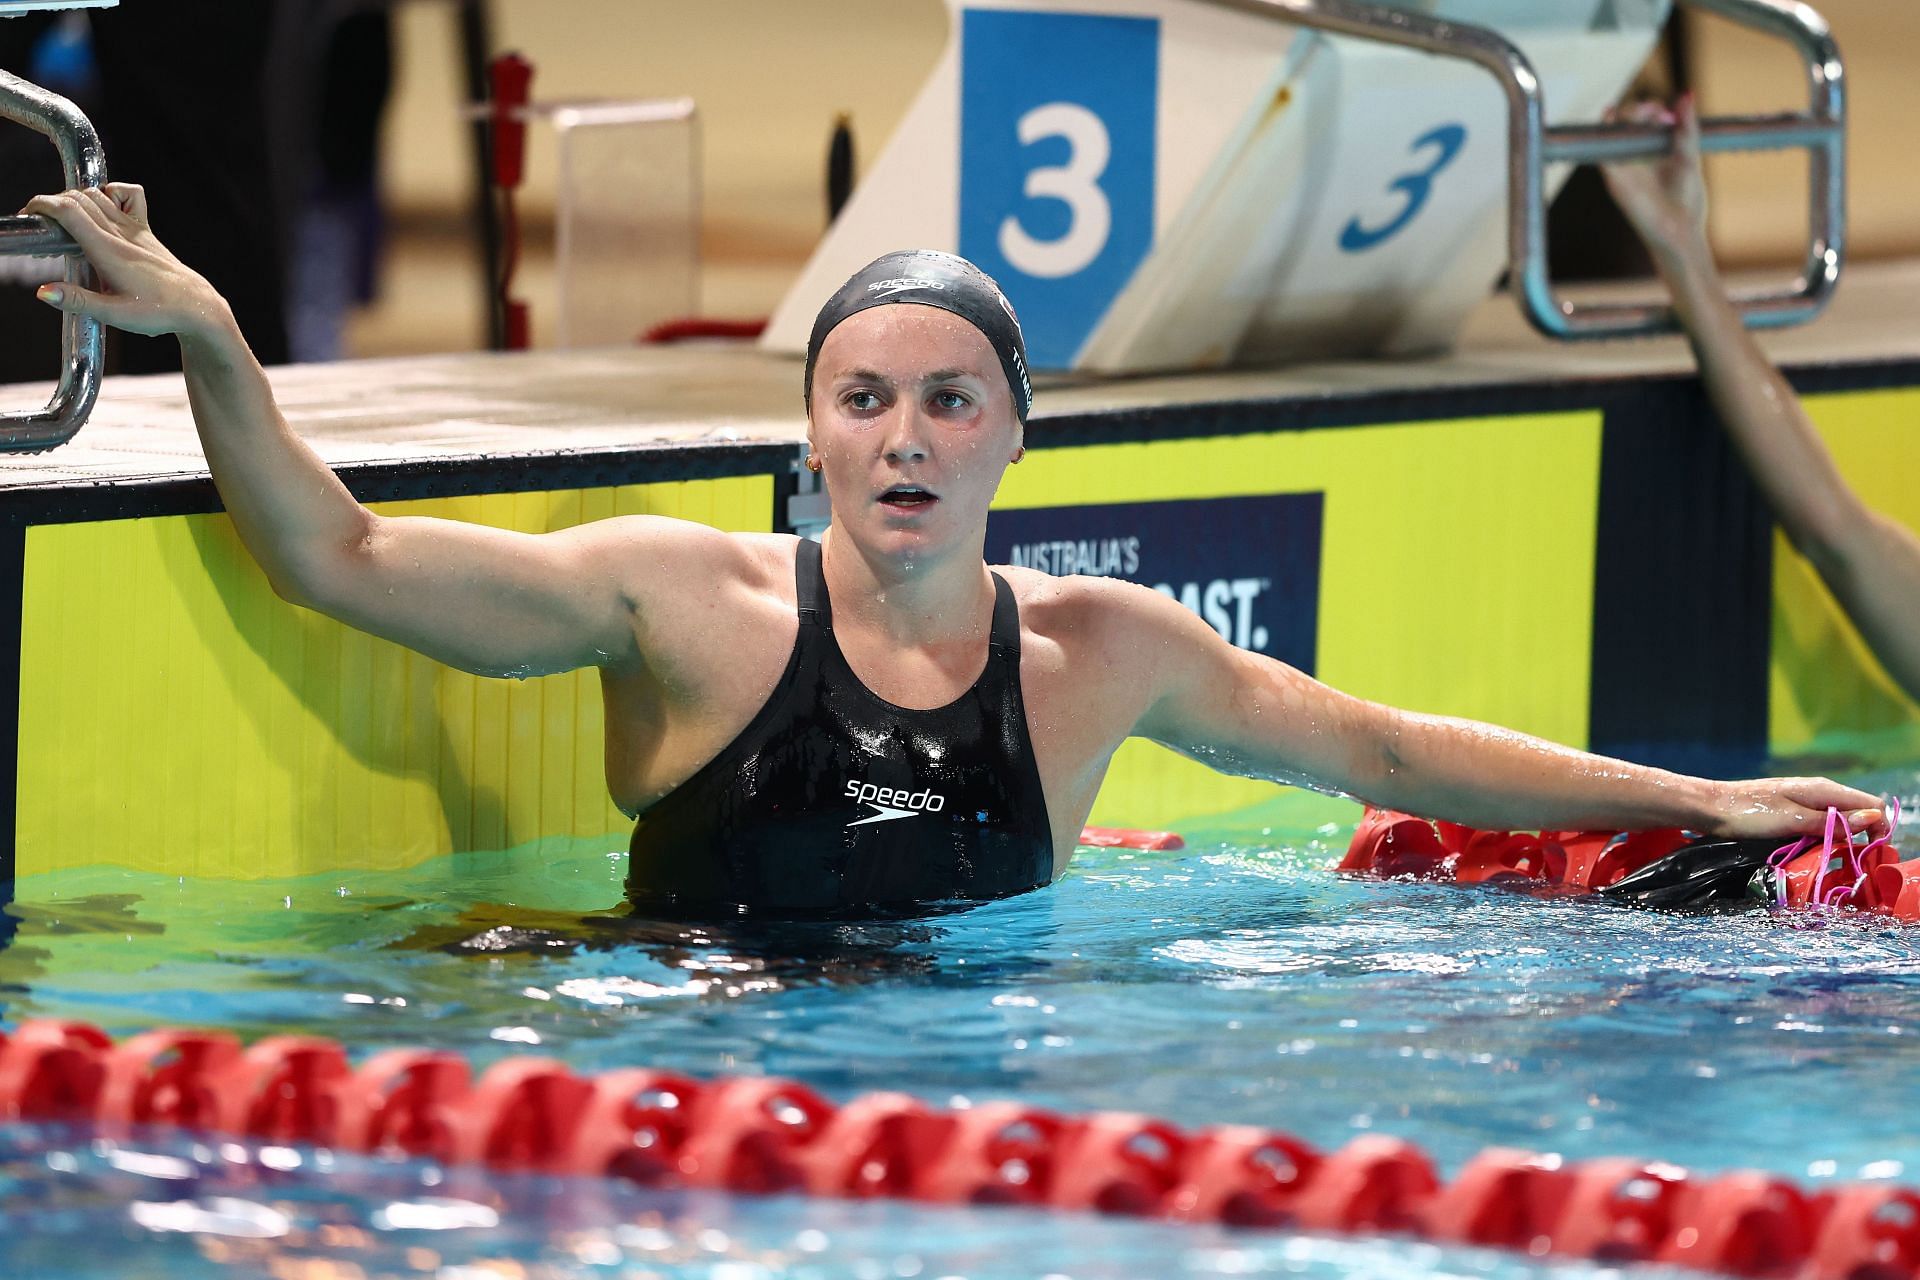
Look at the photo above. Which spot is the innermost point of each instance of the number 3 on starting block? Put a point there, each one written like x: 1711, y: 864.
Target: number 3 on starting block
x: 1414, y: 188
x: 1057, y: 131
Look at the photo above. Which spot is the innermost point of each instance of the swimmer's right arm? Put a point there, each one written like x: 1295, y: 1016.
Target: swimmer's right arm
x: 1871, y: 563
x: 485, y: 600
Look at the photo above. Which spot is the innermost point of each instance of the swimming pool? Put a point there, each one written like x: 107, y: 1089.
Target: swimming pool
x: 1236, y: 981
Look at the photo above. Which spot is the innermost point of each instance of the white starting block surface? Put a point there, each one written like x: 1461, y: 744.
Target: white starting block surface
x: 508, y: 412
x: 1169, y: 185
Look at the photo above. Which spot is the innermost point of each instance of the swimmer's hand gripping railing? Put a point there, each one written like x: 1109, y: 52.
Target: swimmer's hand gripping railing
x: 81, y: 344
x: 1531, y: 146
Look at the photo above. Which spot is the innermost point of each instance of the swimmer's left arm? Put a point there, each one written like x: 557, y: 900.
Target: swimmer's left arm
x: 1247, y: 714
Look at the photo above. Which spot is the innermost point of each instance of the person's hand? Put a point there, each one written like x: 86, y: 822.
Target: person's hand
x: 144, y: 288
x: 1664, y: 199
x: 1769, y: 808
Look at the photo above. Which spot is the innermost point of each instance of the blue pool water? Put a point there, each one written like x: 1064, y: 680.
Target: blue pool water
x: 1236, y: 981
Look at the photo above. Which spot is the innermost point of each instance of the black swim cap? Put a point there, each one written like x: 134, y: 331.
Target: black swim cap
x: 932, y: 279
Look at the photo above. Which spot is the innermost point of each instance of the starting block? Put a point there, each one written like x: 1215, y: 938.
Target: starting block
x: 1165, y: 185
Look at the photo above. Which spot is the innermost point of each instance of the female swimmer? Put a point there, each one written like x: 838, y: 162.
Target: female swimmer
x: 877, y: 721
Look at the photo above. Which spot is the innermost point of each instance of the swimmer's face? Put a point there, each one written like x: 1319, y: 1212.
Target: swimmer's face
x: 914, y: 423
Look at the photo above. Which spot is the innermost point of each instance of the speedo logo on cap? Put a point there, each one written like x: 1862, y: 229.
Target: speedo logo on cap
x: 900, y: 284
x: 889, y: 803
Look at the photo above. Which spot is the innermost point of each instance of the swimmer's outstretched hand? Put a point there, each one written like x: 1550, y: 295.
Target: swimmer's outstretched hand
x: 1767, y: 808
x: 1664, y: 199
x: 143, y: 287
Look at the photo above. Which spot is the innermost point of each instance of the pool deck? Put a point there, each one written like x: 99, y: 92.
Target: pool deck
x: 695, y: 403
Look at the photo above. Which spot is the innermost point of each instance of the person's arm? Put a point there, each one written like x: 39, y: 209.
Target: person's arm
x: 1871, y: 563
x: 1247, y: 714
x: 485, y: 600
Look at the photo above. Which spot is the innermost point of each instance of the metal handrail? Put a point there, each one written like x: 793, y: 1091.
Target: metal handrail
x: 82, y: 345
x: 35, y: 237
x: 1820, y: 131
x: 1531, y: 146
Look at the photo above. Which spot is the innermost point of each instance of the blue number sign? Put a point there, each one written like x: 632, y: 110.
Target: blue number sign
x: 1057, y: 121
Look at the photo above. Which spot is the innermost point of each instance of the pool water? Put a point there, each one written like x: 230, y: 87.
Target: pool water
x: 1236, y: 981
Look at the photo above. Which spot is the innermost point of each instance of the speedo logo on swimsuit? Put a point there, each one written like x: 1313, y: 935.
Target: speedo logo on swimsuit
x: 900, y: 284
x: 889, y: 803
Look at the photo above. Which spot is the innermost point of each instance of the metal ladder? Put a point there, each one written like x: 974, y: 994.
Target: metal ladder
x: 82, y: 346
x: 81, y: 343
x: 1531, y: 146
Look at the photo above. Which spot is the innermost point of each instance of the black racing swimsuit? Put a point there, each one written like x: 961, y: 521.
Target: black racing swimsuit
x: 835, y: 803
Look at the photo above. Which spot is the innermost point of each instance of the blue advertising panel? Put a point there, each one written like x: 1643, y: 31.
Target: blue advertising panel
x: 1057, y: 136
x: 1249, y: 566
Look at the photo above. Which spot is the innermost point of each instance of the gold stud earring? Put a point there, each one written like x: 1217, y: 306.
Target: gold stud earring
x: 813, y: 463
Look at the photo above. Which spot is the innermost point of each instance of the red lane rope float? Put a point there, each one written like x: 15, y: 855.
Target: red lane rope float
x: 1863, y: 876
x: 743, y: 1134
x: 1126, y: 838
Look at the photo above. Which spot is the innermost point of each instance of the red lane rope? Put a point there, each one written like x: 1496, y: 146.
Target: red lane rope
x: 743, y: 1134
x: 1848, y: 873
x: 1126, y: 838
